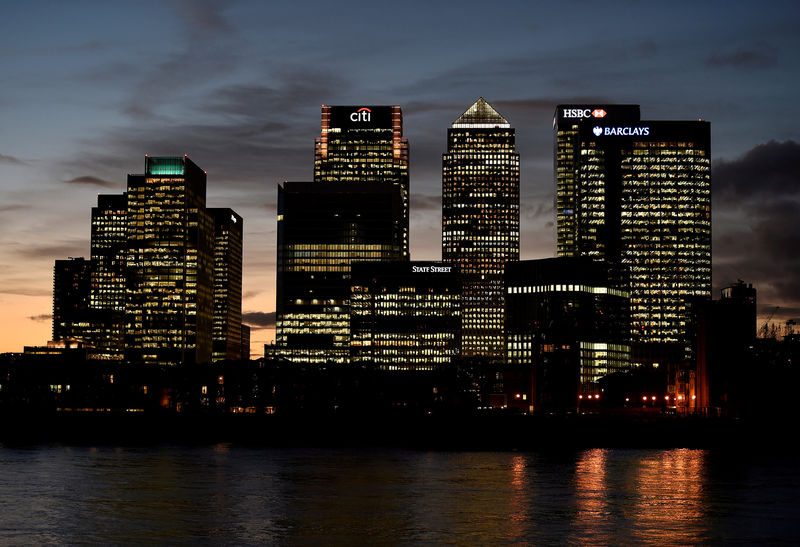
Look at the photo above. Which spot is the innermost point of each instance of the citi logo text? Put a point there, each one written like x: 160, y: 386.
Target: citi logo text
x: 361, y: 115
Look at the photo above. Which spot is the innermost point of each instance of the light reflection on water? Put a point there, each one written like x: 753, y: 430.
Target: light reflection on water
x: 246, y: 495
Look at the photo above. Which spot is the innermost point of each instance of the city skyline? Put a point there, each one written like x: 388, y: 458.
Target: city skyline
x: 81, y: 137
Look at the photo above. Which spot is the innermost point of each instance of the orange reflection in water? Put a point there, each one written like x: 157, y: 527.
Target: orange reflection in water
x: 668, y: 505
x: 591, y: 497
x: 519, y: 499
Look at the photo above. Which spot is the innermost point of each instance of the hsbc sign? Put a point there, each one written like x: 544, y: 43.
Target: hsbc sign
x: 583, y: 113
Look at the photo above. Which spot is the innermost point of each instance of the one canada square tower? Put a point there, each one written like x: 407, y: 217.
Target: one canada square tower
x: 480, y: 220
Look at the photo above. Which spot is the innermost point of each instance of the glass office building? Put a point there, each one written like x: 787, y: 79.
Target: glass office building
x: 170, y: 268
x: 227, y: 320
x: 365, y: 144
x: 405, y: 315
x: 480, y: 221
x: 642, y: 203
x: 324, y: 227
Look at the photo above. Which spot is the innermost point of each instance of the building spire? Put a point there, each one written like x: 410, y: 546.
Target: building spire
x: 481, y: 114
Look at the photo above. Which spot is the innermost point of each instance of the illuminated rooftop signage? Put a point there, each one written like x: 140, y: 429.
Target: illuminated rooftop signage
x: 361, y: 117
x: 621, y: 131
x: 583, y: 113
x: 431, y: 269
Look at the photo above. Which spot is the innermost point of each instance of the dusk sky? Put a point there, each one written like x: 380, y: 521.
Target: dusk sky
x: 89, y: 88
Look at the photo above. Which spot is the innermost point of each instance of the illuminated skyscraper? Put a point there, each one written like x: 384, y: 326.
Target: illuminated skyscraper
x: 480, y: 220
x: 109, y: 241
x: 365, y: 144
x: 643, y: 203
x: 322, y: 228
x: 567, y: 322
x: 227, y: 325
x: 405, y: 315
x: 566, y: 125
x: 169, y: 300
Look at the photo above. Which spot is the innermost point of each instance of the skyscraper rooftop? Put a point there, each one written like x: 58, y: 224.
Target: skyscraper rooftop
x: 481, y: 114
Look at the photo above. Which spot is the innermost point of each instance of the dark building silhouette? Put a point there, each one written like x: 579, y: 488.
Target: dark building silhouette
x: 245, y: 351
x: 227, y: 319
x: 323, y: 227
x: 725, y: 348
x: 365, y: 144
x: 72, y: 280
x: 480, y: 220
x: 405, y: 315
x: 641, y: 192
x: 567, y: 323
x: 170, y: 268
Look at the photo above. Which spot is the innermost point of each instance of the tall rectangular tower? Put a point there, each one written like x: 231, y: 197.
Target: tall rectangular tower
x: 227, y: 326
x: 71, y: 285
x: 643, y: 204
x: 322, y: 229
x: 365, y: 144
x: 169, y: 300
x: 566, y: 124
x: 480, y: 220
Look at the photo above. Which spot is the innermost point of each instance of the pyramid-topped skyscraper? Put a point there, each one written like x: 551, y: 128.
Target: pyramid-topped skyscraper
x: 480, y: 220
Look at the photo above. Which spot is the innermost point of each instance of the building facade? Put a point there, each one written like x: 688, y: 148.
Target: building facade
x: 227, y: 319
x: 480, y: 221
x: 567, y: 321
x: 169, y: 300
x: 642, y: 203
x: 405, y: 315
x: 566, y: 138
x: 72, y: 281
x: 365, y: 144
x: 323, y: 227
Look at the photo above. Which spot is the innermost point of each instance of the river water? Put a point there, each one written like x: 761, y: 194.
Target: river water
x: 236, y: 494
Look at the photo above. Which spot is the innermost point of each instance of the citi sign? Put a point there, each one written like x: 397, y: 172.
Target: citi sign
x: 361, y: 115
x: 584, y: 113
x: 633, y: 131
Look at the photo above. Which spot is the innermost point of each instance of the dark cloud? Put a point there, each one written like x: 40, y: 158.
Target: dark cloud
x: 251, y: 294
x: 13, y: 207
x: 767, y: 171
x: 56, y: 250
x: 757, y: 207
x: 93, y: 181
x: 761, y: 55
x: 204, y: 15
x: 11, y: 160
x: 259, y: 319
x: 422, y: 202
x: 41, y: 318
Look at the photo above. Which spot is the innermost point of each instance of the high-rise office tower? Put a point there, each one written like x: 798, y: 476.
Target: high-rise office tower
x: 567, y: 322
x: 109, y: 242
x: 322, y: 228
x: 643, y: 204
x: 480, y: 220
x: 566, y: 125
x: 405, y: 315
x: 227, y: 325
x: 365, y: 144
x: 169, y: 300
x: 71, y: 284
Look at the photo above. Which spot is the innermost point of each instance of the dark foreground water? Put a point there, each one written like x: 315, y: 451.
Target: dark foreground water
x: 234, y: 494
